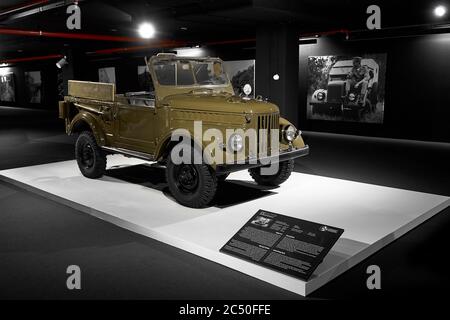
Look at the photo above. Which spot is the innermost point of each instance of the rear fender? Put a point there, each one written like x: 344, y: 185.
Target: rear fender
x: 86, y: 121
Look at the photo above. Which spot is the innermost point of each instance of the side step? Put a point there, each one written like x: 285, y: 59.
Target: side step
x: 131, y: 153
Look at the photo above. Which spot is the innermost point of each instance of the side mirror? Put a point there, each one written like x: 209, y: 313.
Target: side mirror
x: 247, y: 89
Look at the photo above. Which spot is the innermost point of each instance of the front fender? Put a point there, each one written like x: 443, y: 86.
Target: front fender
x: 166, y: 143
x: 85, y: 118
x: 298, y: 142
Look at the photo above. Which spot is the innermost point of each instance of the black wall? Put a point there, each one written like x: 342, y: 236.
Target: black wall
x: 417, y: 102
x: 277, y: 53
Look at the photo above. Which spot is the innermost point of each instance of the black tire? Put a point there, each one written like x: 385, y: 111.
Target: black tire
x: 90, y: 157
x: 192, y: 185
x: 284, y: 171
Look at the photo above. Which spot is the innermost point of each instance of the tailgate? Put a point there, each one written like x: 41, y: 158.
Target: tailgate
x: 92, y: 90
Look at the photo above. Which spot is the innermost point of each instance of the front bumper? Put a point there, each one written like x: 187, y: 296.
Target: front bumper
x: 352, y: 106
x: 326, y: 107
x: 248, y: 164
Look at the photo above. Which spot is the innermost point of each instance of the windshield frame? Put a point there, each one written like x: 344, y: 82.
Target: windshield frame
x: 191, y: 61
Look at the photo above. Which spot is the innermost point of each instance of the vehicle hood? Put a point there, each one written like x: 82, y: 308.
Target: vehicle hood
x: 219, y: 103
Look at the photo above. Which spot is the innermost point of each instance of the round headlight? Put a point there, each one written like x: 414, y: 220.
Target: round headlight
x: 247, y: 89
x: 351, y: 97
x: 320, y: 95
x: 236, y: 142
x: 290, y: 133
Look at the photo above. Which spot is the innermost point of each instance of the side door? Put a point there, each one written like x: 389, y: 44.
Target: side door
x: 134, y: 126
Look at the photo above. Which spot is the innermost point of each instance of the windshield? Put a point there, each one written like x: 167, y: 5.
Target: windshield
x: 190, y: 72
x: 339, y: 73
x: 336, y: 71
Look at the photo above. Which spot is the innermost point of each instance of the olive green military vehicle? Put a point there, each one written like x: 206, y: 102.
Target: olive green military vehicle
x: 151, y: 125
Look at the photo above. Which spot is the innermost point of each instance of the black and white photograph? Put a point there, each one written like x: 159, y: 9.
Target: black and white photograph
x: 261, y: 221
x: 241, y: 72
x: 346, y: 88
x: 107, y: 75
x: 7, y: 87
x: 33, y: 87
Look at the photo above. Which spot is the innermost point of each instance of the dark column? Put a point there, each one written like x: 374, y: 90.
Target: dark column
x: 65, y: 74
x: 76, y: 69
x: 277, y: 53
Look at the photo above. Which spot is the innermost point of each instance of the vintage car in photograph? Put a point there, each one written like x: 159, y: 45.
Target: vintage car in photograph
x: 339, y: 99
x: 141, y: 125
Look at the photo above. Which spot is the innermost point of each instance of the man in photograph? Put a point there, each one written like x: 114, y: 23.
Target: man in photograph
x: 358, y: 77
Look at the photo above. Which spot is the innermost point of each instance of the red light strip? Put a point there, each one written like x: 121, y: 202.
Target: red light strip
x: 66, y: 35
x: 167, y: 44
x: 48, y: 57
x: 161, y: 44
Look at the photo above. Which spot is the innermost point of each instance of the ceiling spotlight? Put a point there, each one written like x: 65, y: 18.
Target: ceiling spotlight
x: 440, y: 11
x: 61, y: 63
x: 146, y: 30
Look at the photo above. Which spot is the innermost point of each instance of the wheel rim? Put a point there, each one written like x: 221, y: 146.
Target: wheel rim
x: 186, y: 178
x: 87, y: 156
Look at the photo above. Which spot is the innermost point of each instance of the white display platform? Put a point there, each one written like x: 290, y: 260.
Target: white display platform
x: 372, y: 216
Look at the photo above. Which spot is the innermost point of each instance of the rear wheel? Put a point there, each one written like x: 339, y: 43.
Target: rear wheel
x: 192, y: 185
x: 90, y: 157
x: 284, y: 171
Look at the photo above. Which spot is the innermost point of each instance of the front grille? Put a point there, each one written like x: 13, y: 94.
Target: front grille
x: 266, y: 122
x: 335, y: 91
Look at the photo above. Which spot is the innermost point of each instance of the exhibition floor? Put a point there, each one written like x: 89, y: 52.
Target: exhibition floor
x: 39, y: 237
x: 372, y: 216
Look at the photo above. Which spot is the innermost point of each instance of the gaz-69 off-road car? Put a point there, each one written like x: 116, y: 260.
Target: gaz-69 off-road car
x: 162, y: 125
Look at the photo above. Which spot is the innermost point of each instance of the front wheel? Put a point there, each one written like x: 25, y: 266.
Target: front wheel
x: 90, y: 157
x: 192, y: 185
x: 284, y: 171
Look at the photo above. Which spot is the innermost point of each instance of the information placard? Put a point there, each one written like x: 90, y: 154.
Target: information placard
x: 289, y: 245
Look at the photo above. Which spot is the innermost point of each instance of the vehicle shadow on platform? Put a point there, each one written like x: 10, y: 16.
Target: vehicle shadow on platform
x: 229, y: 193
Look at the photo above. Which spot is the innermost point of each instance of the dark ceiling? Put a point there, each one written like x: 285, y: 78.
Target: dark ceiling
x: 193, y: 21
